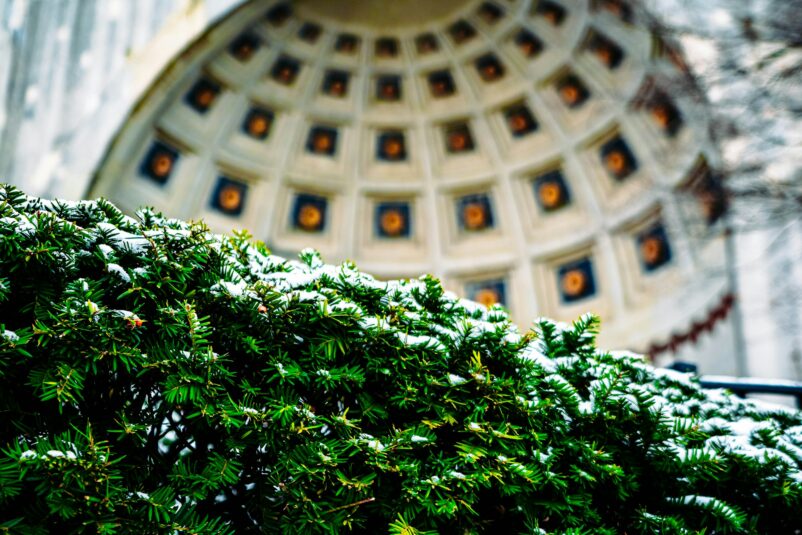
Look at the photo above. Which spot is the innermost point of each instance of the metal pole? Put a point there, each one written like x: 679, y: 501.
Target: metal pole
x: 731, y: 268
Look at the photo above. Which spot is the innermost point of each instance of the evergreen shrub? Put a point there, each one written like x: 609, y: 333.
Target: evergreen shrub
x: 157, y: 378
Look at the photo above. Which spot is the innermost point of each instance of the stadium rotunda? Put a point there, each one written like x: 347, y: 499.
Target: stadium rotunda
x: 553, y: 156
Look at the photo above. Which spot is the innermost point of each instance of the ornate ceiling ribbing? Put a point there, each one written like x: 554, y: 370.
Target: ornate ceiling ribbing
x: 527, y: 152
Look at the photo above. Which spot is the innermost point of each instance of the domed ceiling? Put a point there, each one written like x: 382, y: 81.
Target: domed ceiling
x: 528, y: 152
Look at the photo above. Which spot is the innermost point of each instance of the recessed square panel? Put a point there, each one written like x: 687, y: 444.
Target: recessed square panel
x: 279, y: 14
x: 490, y: 12
x: 391, y: 147
x: 474, y: 212
x: 159, y: 162
x: 461, y: 32
x: 520, y: 120
x: 575, y: 280
x: 322, y: 140
x: 551, y: 191
x: 285, y: 70
x: 335, y: 83
x: 244, y: 47
x: 528, y: 43
x: 258, y: 122
x: 458, y: 138
x: 711, y: 195
x: 653, y: 248
x: 202, y: 95
x: 393, y: 219
x: 309, y: 213
x: 553, y: 12
x: 441, y: 84
x: 617, y: 158
x: 347, y: 43
x: 487, y: 292
x: 665, y: 115
x: 388, y: 88
x: 572, y: 91
x: 386, y: 47
x: 309, y: 32
x: 606, y: 51
x: 229, y: 196
x: 490, y: 68
x: 426, y: 43
x: 618, y: 8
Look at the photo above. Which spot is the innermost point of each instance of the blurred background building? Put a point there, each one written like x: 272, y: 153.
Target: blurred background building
x: 637, y: 159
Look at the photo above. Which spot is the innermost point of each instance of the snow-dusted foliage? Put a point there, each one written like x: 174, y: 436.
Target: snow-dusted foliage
x: 156, y: 378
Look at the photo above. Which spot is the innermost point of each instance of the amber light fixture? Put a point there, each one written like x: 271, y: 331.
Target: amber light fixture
x: 309, y: 217
x: 458, y: 138
x: 388, y: 88
x: 426, y: 43
x: 490, y: 68
x: 229, y: 196
x: 487, y: 297
x: 322, y: 140
x: 159, y: 162
x: 528, y: 43
x: 279, y: 14
x: 618, y: 8
x: 391, y: 147
x: 487, y: 293
x: 461, y: 32
x: 606, y: 51
x: 474, y: 212
x: 309, y: 32
x: 653, y: 247
x: 285, y: 70
x: 258, y: 122
x: 550, y: 195
x: 244, y: 47
x: 618, y: 159
x: 202, y: 95
x: 490, y: 12
x: 576, y: 281
x: 554, y: 13
x: 346, y: 43
x: 335, y: 84
x: 474, y: 216
x: 387, y: 47
x: 572, y: 91
x: 392, y: 219
x: 665, y: 115
x: 392, y: 223
x: 551, y: 191
x: 520, y: 120
x: 441, y: 84
x: 711, y: 195
x: 573, y: 282
x: 309, y: 213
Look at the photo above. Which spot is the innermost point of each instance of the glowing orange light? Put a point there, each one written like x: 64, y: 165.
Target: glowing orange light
x: 392, y: 222
x: 550, y: 194
x: 457, y: 141
x: 616, y: 162
x: 574, y: 282
x: 309, y: 217
x: 258, y: 125
x: 651, y: 250
x: 229, y: 198
x: 161, y: 164
x: 474, y: 216
x: 487, y: 296
x: 392, y: 148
